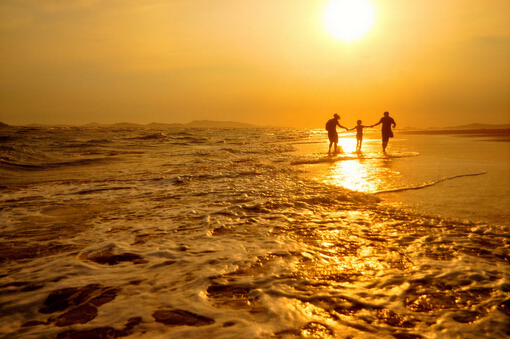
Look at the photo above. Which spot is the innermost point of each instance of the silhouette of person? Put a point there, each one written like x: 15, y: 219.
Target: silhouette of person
x: 360, y: 134
x: 386, y: 130
x: 333, y: 137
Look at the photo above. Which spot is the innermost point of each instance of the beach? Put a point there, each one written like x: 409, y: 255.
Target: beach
x: 254, y: 233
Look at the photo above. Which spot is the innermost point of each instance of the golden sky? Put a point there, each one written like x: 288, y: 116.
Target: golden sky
x: 265, y: 62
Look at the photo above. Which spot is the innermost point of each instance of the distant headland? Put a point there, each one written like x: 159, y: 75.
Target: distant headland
x: 233, y: 124
x: 193, y: 124
x: 474, y: 126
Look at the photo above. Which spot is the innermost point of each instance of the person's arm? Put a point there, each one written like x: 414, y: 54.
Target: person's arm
x: 379, y: 122
x: 394, y: 123
x: 338, y: 124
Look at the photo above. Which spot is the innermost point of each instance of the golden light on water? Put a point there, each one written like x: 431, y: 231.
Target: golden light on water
x: 348, y: 145
x: 354, y: 175
x: 338, y: 259
x: 368, y: 171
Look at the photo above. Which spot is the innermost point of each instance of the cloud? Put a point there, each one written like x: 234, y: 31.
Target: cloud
x: 52, y: 6
x: 15, y: 21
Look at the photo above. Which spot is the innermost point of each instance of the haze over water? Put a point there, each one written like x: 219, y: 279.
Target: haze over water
x: 289, y: 63
x: 228, y: 233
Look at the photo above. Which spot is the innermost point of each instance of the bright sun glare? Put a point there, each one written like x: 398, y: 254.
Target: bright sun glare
x: 348, y: 20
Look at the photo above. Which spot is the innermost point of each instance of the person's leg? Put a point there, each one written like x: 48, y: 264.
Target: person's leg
x: 335, y: 140
x: 384, y: 144
x: 329, y: 147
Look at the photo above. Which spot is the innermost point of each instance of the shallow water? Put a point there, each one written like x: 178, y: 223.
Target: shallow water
x: 227, y: 233
x: 463, y: 177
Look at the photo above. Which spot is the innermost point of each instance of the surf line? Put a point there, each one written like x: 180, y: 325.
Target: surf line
x: 430, y: 183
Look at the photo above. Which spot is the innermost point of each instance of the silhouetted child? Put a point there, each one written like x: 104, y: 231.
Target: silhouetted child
x: 360, y: 134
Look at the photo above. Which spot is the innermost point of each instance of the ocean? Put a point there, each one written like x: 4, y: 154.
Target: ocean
x: 252, y: 233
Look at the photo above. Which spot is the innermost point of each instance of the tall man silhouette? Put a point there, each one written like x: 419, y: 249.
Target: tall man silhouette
x: 386, y: 130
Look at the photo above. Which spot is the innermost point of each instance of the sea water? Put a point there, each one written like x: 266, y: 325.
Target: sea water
x: 462, y: 176
x: 254, y: 233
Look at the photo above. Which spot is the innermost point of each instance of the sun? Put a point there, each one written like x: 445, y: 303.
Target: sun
x: 349, y: 20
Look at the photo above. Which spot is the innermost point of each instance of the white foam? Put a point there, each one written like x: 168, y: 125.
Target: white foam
x: 287, y: 255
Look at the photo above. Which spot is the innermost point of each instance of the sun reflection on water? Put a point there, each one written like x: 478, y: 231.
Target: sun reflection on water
x: 348, y: 145
x: 361, y: 175
x: 368, y: 171
x: 354, y: 176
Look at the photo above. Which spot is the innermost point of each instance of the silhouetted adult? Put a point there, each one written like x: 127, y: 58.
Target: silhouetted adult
x: 331, y: 127
x: 386, y: 129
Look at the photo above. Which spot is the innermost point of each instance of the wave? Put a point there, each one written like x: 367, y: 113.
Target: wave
x: 13, y: 166
x: 319, y: 159
x: 399, y: 155
x: 154, y: 136
x: 99, y: 141
x: 99, y: 190
x: 86, y: 145
x: 182, y: 139
x: 429, y: 184
x: 6, y: 138
x: 189, y: 140
x: 4, y: 148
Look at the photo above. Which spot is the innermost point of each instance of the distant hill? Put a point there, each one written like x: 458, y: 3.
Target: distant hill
x: 477, y: 126
x: 193, y: 124
x: 234, y: 124
x: 469, y: 127
x: 47, y: 125
x: 126, y: 124
x: 217, y: 124
x: 162, y: 125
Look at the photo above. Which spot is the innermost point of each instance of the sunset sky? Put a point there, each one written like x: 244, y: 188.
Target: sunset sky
x: 264, y: 62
